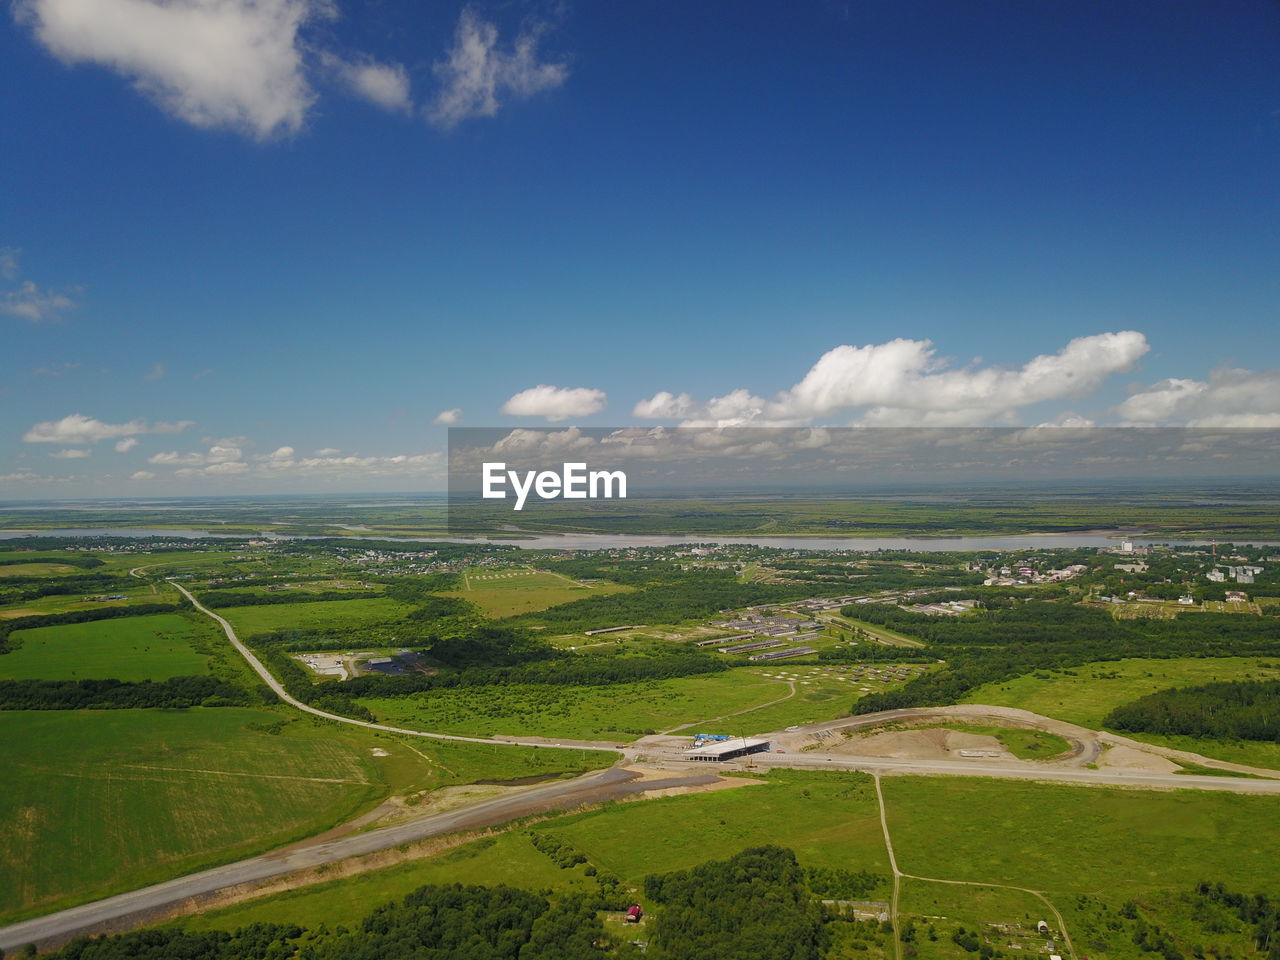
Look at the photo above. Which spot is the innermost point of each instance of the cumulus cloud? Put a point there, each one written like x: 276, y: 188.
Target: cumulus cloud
x: 142, y: 475
x: 236, y: 64
x: 71, y: 453
x: 478, y: 75
x: 55, y: 370
x: 904, y: 382
x: 328, y: 452
x: 1229, y: 398
x: 555, y: 403
x: 448, y: 416
x: 220, y: 452
x: 28, y: 302
x: 383, y: 84
x: 157, y: 372
x: 127, y: 444
x: 76, y: 428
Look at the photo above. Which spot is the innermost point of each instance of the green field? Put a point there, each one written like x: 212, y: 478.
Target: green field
x: 133, y: 595
x: 100, y: 801
x: 507, y: 592
x: 830, y: 820
x: 1086, y: 694
x: 127, y: 648
x: 623, y: 712
x: 39, y: 568
x: 1065, y: 839
x: 1054, y: 838
x: 314, y: 615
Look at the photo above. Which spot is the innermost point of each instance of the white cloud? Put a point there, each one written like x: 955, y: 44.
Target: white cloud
x: 1229, y: 398
x: 125, y: 445
x: 555, y: 403
x: 903, y: 382
x: 142, y: 475
x: 9, y: 263
x: 478, y: 76
x: 157, y: 372
x: 213, y: 63
x: 72, y: 453
x: 328, y: 452
x: 79, y: 429
x: 383, y: 84
x: 448, y: 416
x: 28, y: 302
x: 664, y: 406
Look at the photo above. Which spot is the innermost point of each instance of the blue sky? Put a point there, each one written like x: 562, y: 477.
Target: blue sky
x: 240, y: 233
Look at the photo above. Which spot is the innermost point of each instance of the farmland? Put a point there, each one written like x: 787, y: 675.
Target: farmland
x: 508, y: 592
x: 128, y: 648
x: 1053, y: 838
x: 333, y: 614
x: 168, y: 792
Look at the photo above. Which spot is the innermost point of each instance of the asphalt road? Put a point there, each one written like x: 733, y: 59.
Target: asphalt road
x: 127, y: 910
x: 269, y: 679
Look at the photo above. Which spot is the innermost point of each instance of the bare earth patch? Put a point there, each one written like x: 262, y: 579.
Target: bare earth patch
x: 936, y: 743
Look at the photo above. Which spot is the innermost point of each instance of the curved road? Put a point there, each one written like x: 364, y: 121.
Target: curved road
x: 137, y: 906
x: 278, y: 689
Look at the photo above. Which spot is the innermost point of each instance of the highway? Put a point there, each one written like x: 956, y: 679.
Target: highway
x: 278, y: 689
x: 137, y: 907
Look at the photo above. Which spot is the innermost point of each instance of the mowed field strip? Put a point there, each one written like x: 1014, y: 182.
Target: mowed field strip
x: 507, y: 592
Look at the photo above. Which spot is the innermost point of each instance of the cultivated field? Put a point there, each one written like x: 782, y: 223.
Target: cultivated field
x: 127, y: 648
x: 334, y: 613
x: 505, y: 593
x: 100, y: 801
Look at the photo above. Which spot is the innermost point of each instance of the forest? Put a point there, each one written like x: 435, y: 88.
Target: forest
x: 996, y: 644
x: 1239, y: 710
x: 174, y: 693
x: 452, y: 922
x: 756, y: 904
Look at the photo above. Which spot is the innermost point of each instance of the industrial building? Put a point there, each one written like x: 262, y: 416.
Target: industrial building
x: 721, y: 750
x: 783, y: 654
x: 754, y: 645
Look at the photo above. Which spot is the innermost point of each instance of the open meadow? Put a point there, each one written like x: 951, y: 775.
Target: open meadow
x: 126, y: 648
x: 1088, y: 693
x: 508, y: 592
x: 314, y: 615
x: 101, y: 801
x: 754, y: 700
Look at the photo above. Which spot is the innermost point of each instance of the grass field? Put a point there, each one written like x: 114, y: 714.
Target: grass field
x: 505, y: 593
x: 1051, y: 837
x: 831, y: 820
x: 1086, y: 694
x: 129, y: 648
x: 1064, y: 839
x: 623, y: 712
x: 46, y: 568
x: 133, y: 595
x: 335, y: 613
x: 100, y: 801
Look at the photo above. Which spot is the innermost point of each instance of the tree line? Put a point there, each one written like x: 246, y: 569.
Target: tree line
x: 174, y: 693
x: 1237, y: 710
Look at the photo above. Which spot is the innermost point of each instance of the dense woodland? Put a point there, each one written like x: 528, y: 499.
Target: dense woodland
x: 174, y: 693
x: 1022, y: 637
x: 1240, y: 710
x: 756, y: 904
